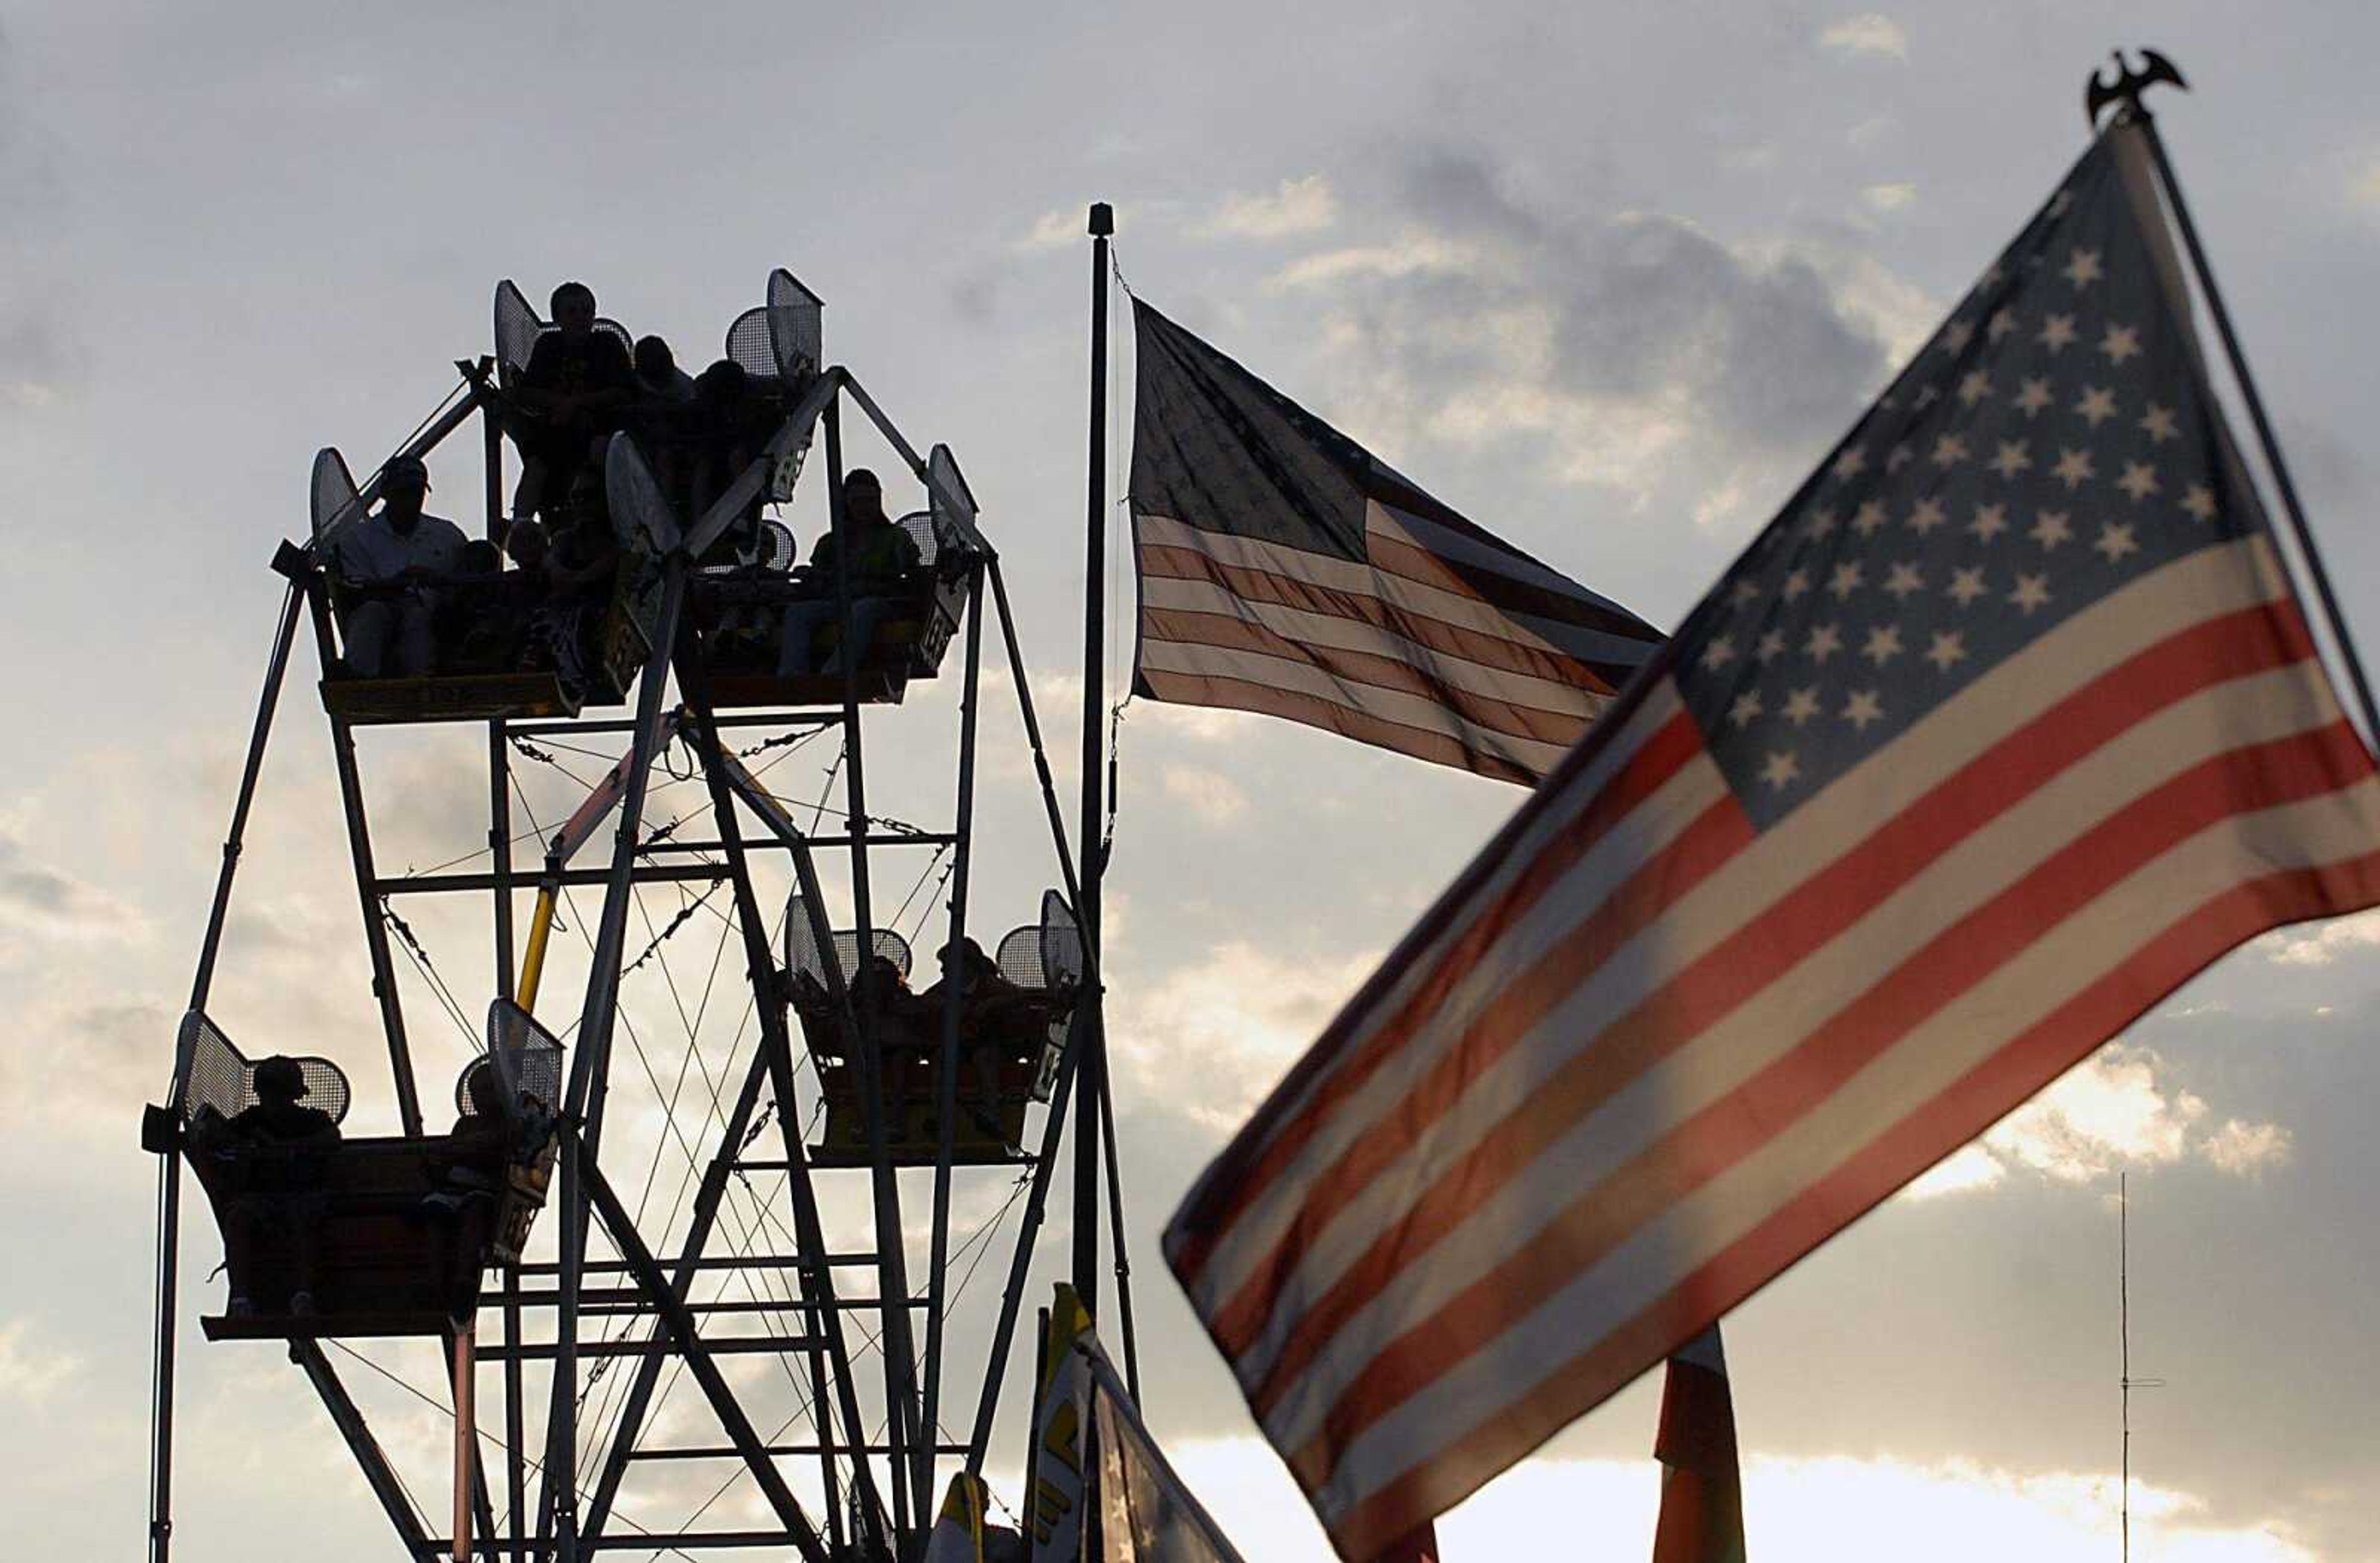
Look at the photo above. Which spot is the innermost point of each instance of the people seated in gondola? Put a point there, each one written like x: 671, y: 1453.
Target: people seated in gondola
x: 467, y: 1170
x: 728, y: 423
x: 578, y: 383
x: 278, y: 1146
x: 391, y: 566
x: 882, y: 553
x: 581, y: 561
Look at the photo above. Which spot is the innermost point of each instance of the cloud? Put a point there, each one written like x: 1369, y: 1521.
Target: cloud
x: 2363, y: 185
x: 1633, y: 348
x: 1870, y: 33
x: 31, y: 1376
x: 1210, y: 1037
x: 2107, y: 1113
x: 1211, y: 797
x: 1051, y: 230
x: 1842, y: 1508
x: 2322, y: 943
x: 1889, y: 198
x: 40, y: 899
x: 1297, y: 206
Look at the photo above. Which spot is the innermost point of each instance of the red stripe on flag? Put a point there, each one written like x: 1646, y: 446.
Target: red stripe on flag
x: 2048, y: 1049
x: 1715, y: 1139
x: 1747, y: 960
x: 1699, y: 851
x: 1665, y: 752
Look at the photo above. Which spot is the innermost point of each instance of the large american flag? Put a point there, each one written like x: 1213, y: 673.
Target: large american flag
x: 2008, y: 724
x: 1284, y: 569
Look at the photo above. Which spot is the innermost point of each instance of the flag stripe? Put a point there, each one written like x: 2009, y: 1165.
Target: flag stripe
x: 1957, y: 735
x: 1310, y: 678
x: 1470, y: 1456
x: 1499, y: 670
x: 1929, y: 825
x: 1161, y: 541
x: 1444, y: 746
x: 1231, y: 627
x: 1466, y: 553
x: 1328, y: 1077
x: 1483, y: 637
x: 1822, y: 1064
x: 1715, y: 836
x: 1674, y: 1006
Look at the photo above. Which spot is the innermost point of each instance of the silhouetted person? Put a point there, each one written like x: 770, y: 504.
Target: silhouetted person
x: 578, y: 384
x: 729, y: 423
x: 392, y: 564
x: 581, y: 563
x: 469, y: 1170
x: 882, y: 553
x: 281, y: 1145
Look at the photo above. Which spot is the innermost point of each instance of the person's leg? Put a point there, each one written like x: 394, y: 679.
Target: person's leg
x: 866, y: 612
x: 367, y: 635
x: 417, y: 641
x: 804, y: 618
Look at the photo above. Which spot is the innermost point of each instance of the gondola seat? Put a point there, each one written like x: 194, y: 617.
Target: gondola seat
x: 400, y: 1229
x: 1006, y: 1058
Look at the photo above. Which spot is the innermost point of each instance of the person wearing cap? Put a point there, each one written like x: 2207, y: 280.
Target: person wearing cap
x: 882, y: 551
x: 390, y: 566
x: 280, y: 1142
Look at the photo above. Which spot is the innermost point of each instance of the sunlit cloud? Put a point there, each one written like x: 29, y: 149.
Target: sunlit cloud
x: 1828, y: 1510
x: 2319, y: 944
x: 1870, y: 33
x: 1889, y: 198
x: 1298, y: 206
x: 2107, y: 1113
x: 1208, y: 796
x: 1209, y: 1038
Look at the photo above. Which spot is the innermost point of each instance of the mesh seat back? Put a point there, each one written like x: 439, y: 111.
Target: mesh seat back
x: 775, y: 548
x: 1062, y: 942
x: 951, y: 502
x: 217, y: 1074
x: 802, y: 955
x: 526, y: 1057
x: 518, y: 328
x: 334, y: 502
x: 748, y: 346
x: 920, y: 526
x: 795, y: 330
x: 1019, y: 956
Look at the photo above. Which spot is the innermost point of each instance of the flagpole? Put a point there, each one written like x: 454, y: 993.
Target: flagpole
x: 2265, y: 436
x: 1091, y: 1083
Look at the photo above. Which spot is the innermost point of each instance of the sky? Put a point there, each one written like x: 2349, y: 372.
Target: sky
x: 1608, y: 279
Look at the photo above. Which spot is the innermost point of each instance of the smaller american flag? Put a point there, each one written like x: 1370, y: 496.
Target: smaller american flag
x: 2006, y: 726
x: 1284, y: 569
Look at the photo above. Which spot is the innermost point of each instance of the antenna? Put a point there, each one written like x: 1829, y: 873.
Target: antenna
x: 2125, y: 1380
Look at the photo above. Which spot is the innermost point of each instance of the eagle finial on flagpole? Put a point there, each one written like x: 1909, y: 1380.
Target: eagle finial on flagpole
x: 2129, y: 84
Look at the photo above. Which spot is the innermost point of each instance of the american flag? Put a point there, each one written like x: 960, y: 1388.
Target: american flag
x: 1284, y: 569
x: 2007, y: 725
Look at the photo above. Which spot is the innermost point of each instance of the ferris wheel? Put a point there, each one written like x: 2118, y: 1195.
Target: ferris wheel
x: 668, y: 1254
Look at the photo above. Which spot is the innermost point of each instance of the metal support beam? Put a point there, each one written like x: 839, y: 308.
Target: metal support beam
x: 169, y: 1164
x: 899, y: 1354
x: 369, y: 1458
x: 583, y: 1107
x: 946, y: 1078
x: 681, y: 1325
x: 351, y: 797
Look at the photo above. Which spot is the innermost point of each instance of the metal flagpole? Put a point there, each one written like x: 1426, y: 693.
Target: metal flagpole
x: 2263, y: 425
x: 1092, y: 1035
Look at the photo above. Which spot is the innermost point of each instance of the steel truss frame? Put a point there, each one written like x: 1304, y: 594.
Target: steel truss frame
x: 886, y: 1525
